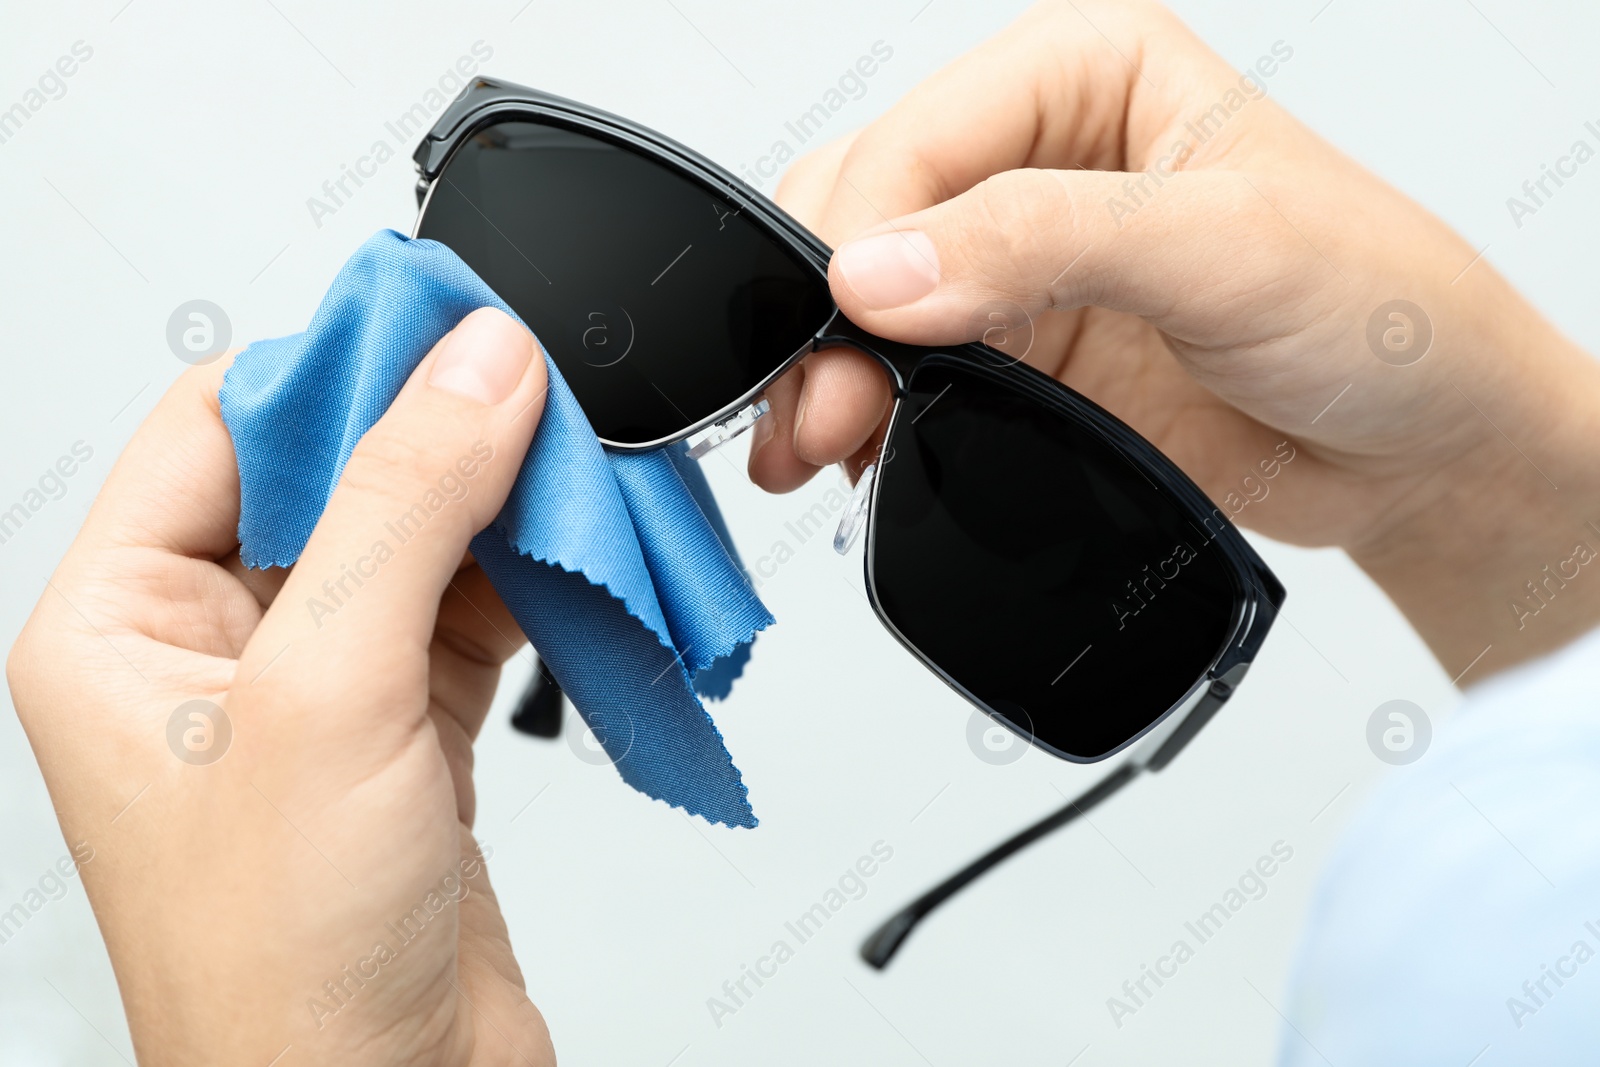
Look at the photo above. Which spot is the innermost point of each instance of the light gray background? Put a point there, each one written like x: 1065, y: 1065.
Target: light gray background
x: 177, y: 166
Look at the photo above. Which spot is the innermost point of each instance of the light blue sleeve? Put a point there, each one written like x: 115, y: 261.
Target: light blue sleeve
x: 1459, y: 920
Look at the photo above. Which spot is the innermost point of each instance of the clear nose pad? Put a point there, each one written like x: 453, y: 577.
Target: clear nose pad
x: 855, y: 515
x: 720, y: 433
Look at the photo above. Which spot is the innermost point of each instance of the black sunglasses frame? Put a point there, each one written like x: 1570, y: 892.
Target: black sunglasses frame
x: 1258, y: 595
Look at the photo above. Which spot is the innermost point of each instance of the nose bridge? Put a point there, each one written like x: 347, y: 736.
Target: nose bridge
x: 897, y: 358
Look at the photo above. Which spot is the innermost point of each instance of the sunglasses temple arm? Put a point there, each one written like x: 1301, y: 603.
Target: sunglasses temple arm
x: 879, y: 948
x: 539, y: 711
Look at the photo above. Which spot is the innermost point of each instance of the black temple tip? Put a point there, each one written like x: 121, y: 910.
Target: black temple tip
x: 539, y: 711
x: 881, y: 945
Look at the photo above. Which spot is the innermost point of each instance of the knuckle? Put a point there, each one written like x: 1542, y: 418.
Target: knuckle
x: 35, y: 662
x: 22, y: 666
x: 800, y: 173
x: 384, y: 463
x: 891, y: 152
x: 1021, y: 216
x: 1074, y: 14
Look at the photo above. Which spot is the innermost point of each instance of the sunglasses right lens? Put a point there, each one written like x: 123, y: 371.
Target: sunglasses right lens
x: 661, y: 303
x: 1028, y: 561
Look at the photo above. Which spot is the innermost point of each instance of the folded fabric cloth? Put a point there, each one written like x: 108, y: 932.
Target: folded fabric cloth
x: 616, y: 565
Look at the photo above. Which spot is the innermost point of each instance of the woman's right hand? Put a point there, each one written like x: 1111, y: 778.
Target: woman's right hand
x: 1101, y: 194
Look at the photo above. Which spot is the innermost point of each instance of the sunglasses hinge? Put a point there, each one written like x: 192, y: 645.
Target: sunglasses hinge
x: 724, y: 430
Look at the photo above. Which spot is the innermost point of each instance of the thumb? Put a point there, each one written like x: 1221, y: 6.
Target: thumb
x: 353, y: 622
x: 1179, y: 250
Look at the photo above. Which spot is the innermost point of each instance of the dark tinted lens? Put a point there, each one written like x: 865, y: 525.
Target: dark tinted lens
x: 1024, y: 557
x: 659, y: 303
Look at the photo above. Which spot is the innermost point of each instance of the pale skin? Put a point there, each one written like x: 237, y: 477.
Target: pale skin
x: 1220, y: 318
x: 229, y: 894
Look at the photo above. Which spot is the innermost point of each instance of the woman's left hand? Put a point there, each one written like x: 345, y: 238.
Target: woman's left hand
x: 268, y: 786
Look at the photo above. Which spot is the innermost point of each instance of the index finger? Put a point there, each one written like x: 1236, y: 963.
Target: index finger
x: 1062, y: 87
x: 1012, y: 102
x: 176, y: 485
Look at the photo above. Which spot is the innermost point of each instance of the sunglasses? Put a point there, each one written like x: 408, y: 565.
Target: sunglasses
x: 1044, y: 560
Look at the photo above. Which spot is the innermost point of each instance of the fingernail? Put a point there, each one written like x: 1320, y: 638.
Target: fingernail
x: 483, y: 358
x: 890, y: 269
x: 800, y: 410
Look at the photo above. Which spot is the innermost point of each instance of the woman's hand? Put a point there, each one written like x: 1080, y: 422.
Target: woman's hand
x: 278, y: 797
x: 1164, y: 239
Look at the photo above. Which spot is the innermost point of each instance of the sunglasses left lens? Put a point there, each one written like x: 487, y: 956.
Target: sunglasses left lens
x: 659, y: 301
x: 1032, y: 564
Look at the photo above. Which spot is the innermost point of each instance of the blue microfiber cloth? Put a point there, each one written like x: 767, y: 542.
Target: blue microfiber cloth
x: 616, y: 565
